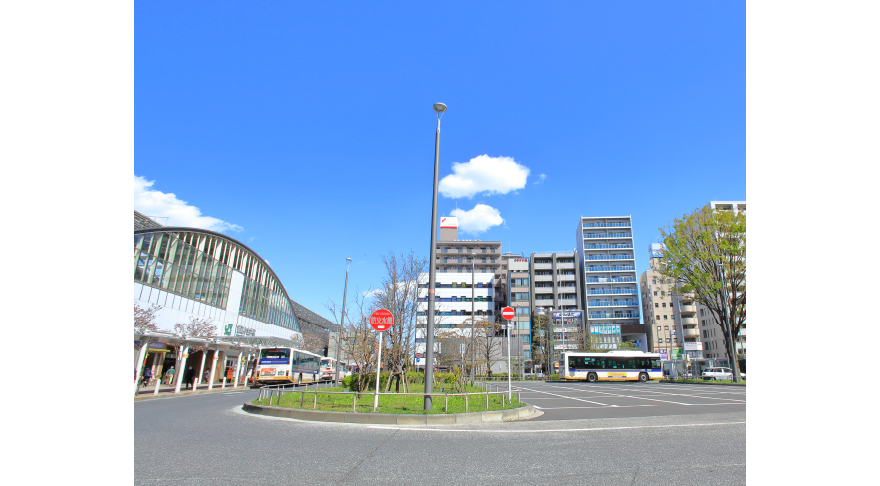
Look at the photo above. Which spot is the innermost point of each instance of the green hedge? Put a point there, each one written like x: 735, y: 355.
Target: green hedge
x: 369, y: 383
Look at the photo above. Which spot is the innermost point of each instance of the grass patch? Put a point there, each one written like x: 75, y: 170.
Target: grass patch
x: 391, y: 402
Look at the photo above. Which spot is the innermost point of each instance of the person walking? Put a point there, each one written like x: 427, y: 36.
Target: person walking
x: 169, y: 375
x: 207, y: 374
x: 188, y: 376
x: 148, y: 373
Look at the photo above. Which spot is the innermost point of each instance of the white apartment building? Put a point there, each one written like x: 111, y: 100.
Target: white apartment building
x: 468, y: 282
x: 669, y: 315
x: 710, y: 332
x: 610, y: 287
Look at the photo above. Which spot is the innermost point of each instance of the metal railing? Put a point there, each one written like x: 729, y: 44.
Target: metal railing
x: 602, y: 247
x: 275, y: 392
x: 613, y: 291
x: 609, y: 280
x: 609, y: 235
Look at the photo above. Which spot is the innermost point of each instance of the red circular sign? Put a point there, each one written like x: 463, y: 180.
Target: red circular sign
x: 381, y: 320
x: 507, y: 313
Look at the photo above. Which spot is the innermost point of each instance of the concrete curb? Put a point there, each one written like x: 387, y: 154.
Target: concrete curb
x: 522, y: 413
x: 707, y: 382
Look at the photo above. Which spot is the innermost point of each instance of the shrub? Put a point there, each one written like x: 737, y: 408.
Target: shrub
x: 554, y: 376
x: 346, y: 382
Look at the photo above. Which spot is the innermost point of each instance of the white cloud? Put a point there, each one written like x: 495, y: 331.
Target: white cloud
x: 156, y: 203
x: 540, y: 178
x: 477, y: 220
x: 484, y: 174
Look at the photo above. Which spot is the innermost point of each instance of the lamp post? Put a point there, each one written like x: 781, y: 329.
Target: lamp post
x: 473, y: 316
x: 342, y: 320
x: 440, y: 108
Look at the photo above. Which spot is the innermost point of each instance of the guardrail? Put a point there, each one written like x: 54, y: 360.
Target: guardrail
x: 272, y: 391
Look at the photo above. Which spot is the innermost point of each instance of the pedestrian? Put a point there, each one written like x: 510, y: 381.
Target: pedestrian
x: 169, y: 375
x: 188, y: 376
x: 148, y: 373
x: 207, y: 374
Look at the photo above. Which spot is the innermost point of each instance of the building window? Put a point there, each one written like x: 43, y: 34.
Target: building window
x: 664, y: 304
x: 655, y: 293
x: 656, y: 304
x: 664, y: 317
x: 667, y: 328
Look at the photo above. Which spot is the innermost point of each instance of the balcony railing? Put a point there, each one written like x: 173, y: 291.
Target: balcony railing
x: 612, y: 291
x: 608, y: 315
x: 609, y: 235
x: 608, y: 257
x: 602, y: 247
x: 616, y: 303
x: 607, y: 225
x: 615, y: 268
x: 609, y: 280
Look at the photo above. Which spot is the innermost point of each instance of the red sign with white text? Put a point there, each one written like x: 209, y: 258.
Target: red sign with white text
x: 381, y: 320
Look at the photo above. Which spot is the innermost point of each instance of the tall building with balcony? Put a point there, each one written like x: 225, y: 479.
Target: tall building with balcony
x: 608, y: 268
x: 519, y: 298
x: 710, y: 332
x: 468, y: 283
x: 556, y: 286
x: 668, y: 313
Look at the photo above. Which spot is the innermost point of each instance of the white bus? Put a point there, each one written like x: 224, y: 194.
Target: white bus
x: 287, y: 365
x: 611, y: 366
x: 328, y: 370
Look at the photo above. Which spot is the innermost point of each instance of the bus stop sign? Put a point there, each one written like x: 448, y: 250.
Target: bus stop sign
x: 381, y: 320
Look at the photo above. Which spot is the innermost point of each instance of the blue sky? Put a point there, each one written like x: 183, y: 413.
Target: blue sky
x: 305, y: 130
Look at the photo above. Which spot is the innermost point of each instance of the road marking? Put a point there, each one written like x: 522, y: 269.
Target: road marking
x: 616, y: 406
x: 563, y: 396
x: 232, y: 393
x: 629, y: 396
x: 552, y: 430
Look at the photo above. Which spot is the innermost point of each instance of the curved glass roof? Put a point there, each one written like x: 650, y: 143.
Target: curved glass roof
x: 198, y: 264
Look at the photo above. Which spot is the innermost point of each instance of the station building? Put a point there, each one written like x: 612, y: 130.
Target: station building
x: 195, y: 273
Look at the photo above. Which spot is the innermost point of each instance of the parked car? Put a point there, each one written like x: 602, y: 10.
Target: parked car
x: 720, y: 374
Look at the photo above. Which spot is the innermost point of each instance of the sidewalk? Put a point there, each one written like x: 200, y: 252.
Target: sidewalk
x: 168, y: 390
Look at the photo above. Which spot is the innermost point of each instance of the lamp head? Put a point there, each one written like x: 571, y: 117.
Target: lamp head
x: 439, y: 107
x: 348, y: 259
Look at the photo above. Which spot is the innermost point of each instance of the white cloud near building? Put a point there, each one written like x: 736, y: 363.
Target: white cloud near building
x: 484, y: 175
x: 477, y: 220
x: 179, y: 213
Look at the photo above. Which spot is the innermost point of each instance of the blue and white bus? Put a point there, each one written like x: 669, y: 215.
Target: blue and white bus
x: 287, y: 365
x: 611, y: 366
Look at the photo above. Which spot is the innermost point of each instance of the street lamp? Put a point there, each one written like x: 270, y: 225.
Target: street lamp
x: 473, y: 314
x: 440, y: 108
x: 342, y: 320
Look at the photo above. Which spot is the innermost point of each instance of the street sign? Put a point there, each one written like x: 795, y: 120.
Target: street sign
x: 381, y: 320
x: 508, y: 313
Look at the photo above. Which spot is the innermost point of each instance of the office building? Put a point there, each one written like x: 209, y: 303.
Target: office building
x: 519, y: 298
x: 609, y: 283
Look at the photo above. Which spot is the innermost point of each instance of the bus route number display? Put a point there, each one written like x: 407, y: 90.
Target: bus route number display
x: 381, y: 320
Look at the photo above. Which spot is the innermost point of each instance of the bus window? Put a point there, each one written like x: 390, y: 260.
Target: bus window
x: 275, y: 354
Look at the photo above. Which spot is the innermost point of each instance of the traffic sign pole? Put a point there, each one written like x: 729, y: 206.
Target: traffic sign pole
x: 378, y: 369
x: 508, y: 313
x: 380, y: 320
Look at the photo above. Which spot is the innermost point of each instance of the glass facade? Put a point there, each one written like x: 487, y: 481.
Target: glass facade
x: 199, y: 265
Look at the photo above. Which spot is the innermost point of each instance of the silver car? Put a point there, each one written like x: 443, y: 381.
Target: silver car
x: 720, y: 374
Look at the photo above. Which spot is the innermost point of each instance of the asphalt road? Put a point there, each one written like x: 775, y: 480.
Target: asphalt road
x: 207, y: 439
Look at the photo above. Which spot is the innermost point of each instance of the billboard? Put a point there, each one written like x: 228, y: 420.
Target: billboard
x: 558, y: 315
x: 518, y: 264
x: 693, y: 346
x: 565, y: 346
x: 449, y: 222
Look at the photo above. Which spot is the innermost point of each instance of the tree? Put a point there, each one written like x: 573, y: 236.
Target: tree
x: 312, y: 342
x: 542, y: 351
x: 145, y: 318
x: 399, y: 294
x: 197, y: 327
x: 705, y: 252
x: 357, y: 338
x: 487, y: 346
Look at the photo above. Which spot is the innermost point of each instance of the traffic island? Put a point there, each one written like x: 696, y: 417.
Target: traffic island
x: 508, y: 415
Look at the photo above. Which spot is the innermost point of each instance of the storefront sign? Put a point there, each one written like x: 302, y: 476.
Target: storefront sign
x: 557, y: 315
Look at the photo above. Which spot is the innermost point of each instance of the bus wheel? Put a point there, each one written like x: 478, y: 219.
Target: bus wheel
x: 591, y: 377
x: 643, y: 377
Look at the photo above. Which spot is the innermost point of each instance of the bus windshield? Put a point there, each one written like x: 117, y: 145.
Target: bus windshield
x: 275, y: 354
x: 326, y: 362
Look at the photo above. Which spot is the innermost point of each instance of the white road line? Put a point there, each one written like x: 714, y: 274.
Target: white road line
x: 618, y: 406
x: 629, y: 396
x: 552, y: 430
x: 563, y: 396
